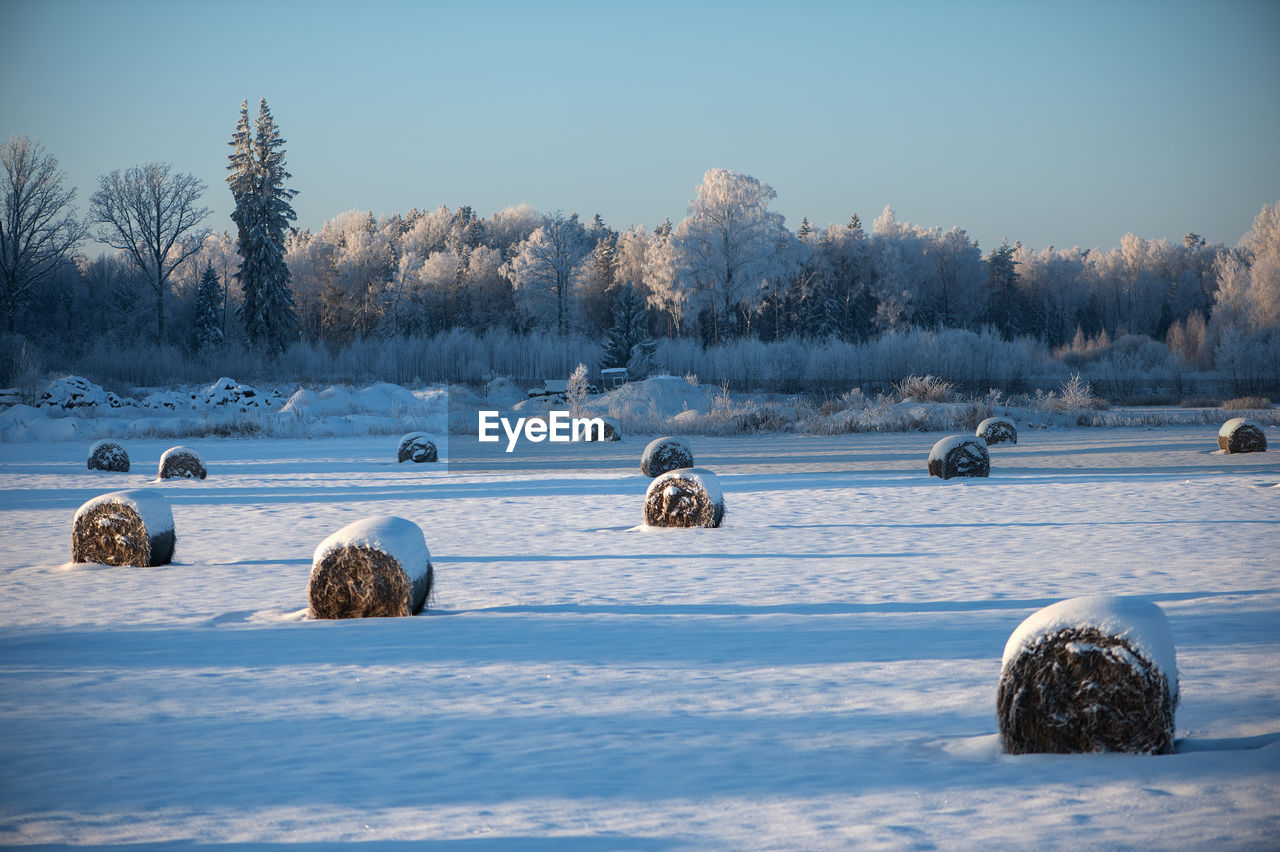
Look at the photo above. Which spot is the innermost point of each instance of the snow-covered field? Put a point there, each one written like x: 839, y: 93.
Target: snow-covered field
x: 818, y: 673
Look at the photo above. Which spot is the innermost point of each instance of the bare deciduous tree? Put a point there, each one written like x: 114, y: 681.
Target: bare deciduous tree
x: 152, y: 215
x: 38, y: 227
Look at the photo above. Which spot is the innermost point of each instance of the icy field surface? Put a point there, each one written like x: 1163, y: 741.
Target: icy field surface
x: 818, y: 673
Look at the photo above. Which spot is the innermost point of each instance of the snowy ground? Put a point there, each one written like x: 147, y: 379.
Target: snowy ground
x: 819, y: 673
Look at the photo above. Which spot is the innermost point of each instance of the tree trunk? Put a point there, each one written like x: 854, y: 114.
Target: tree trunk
x: 160, y: 313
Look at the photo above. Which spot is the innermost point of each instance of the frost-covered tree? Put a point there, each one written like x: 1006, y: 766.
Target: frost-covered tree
x: 1002, y: 285
x: 206, y: 324
x: 38, y: 227
x: 629, y: 328
x: 545, y: 270
x: 153, y: 215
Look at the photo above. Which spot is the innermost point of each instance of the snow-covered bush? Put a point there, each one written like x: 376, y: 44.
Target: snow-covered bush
x: 687, y: 497
x: 959, y: 455
x: 1092, y: 674
x: 664, y: 454
x: 124, y: 528
x: 375, y: 567
x: 181, y: 463
x: 417, y: 447
x: 924, y: 389
x: 1242, y: 435
x: 110, y: 456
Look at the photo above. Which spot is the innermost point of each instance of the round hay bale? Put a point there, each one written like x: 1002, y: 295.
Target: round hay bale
x: 417, y: 447
x: 372, y: 568
x: 1093, y: 674
x: 1242, y: 435
x: 664, y: 454
x: 108, y: 455
x: 612, y: 430
x: 996, y: 430
x: 181, y: 463
x: 959, y: 455
x: 124, y: 528
x: 685, y: 497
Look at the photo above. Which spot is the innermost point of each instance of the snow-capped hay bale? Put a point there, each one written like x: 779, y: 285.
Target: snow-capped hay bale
x: 1242, y: 435
x: 959, y: 455
x: 372, y: 568
x: 417, y: 447
x: 1091, y: 674
x: 997, y: 430
x: 108, y: 455
x: 664, y: 454
x: 686, y: 497
x: 181, y: 463
x: 124, y: 528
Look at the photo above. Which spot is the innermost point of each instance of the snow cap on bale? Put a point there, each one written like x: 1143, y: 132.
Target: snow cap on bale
x: 686, y: 497
x: 1242, y: 435
x: 377, y: 566
x: 664, y: 454
x: 995, y: 430
x: 417, y: 447
x: 1089, y: 674
x: 180, y: 463
x: 124, y: 528
x: 108, y: 455
x: 959, y: 455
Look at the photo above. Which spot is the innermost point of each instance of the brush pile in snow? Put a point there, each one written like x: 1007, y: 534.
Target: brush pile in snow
x: 375, y: 567
x: 181, y: 463
x: 664, y: 454
x: 1092, y: 674
x: 108, y: 455
x: 996, y: 430
x: 124, y: 528
x: 959, y: 455
x: 1242, y: 435
x: 75, y: 392
x: 417, y: 447
x: 686, y: 497
x: 229, y: 393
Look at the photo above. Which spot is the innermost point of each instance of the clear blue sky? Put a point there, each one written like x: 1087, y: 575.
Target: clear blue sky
x: 1065, y: 123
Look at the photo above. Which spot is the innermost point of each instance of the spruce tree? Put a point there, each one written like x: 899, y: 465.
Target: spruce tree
x: 206, y: 332
x: 630, y: 327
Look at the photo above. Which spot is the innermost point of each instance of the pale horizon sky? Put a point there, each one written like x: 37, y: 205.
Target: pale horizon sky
x: 1055, y: 123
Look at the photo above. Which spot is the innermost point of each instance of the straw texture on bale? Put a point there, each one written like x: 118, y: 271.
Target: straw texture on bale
x: 959, y: 455
x: 664, y: 454
x: 996, y: 430
x: 417, y: 447
x: 364, y: 572
x: 1242, y: 435
x: 181, y: 463
x: 686, y: 497
x: 108, y: 455
x: 111, y: 530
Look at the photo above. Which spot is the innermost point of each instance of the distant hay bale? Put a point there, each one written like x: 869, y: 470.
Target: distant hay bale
x: 108, y: 455
x: 591, y: 432
x: 181, y: 463
x: 124, y: 528
x: 685, y: 497
x: 996, y: 430
x: 376, y: 567
x: 664, y: 454
x: 1242, y: 435
x: 1086, y: 675
x: 417, y: 447
x: 959, y: 455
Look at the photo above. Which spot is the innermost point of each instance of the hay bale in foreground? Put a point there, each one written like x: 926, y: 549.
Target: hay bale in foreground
x: 664, y: 454
x: 996, y: 430
x: 108, y: 455
x: 1242, y: 435
x: 686, y: 497
x: 372, y: 568
x: 181, y: 463
x: 417, y: 447
x: 959, y: 455
x: 124, y: 528
x: 1092, y: 674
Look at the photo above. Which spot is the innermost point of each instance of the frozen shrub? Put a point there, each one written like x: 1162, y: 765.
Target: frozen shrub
x: 124, y: 528
x: 181, y: 463
x: 686, y: 497
x: 108, y: 455
x: 995, y: 430
x: 1242, y: 435
x: 1247, y: 403
x: 372, y: 568
x: 1093, y: 674
x: 664, y: 454
x: 959, y: 455
x: 416, y: 447
x: 924, y: 389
